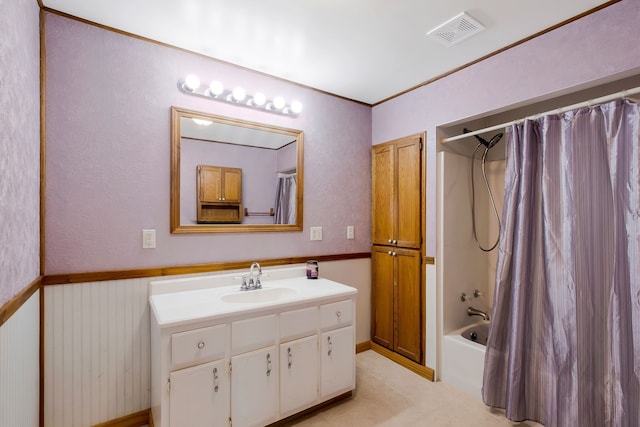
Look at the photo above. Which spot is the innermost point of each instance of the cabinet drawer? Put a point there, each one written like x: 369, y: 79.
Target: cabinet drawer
x: 199, y: 345
x: 252, y: 334
x: 336, y: 314
x: 298, y: 323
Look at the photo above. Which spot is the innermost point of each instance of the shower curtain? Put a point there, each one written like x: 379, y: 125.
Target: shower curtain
x: 285, y: 204
x: 564, y: 344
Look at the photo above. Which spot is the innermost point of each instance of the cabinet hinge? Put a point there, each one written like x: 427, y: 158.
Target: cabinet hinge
x: 169, y: 385
x: 230, y: 367
x: 230, y: 422
x: 421, y: 145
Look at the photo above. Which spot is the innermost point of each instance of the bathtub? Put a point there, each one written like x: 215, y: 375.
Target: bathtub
x: 463, y: 359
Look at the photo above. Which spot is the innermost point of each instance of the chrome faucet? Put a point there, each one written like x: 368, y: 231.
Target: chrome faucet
x: 254, y: 279
x: 475, y: 312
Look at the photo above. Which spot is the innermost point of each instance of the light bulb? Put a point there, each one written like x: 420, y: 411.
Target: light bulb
x: 239, y: 94
x: 296, y: 107
x: 278, y: 102
x: 191, y: 82
x: 259, y: 99
x: 215, y: 88
x: 201, y: 122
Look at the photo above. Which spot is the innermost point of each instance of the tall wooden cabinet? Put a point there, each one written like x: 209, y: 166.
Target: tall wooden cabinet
x: 219, y: 194
x: 396, y: 255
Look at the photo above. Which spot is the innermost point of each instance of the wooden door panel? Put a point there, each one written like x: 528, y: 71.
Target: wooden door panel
x: 232, y: 183
x: 382, y: 187
x: 382, y: 297
x: 209, y: 180
x: 408, y: 299
x: 408, y: 192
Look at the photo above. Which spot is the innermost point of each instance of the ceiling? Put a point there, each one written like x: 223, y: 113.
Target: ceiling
x: 365, y: 50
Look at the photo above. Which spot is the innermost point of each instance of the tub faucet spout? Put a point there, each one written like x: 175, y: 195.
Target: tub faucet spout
x: 475, y: 312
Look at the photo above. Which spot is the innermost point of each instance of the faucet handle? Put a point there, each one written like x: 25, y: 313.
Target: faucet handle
x: 258, y: 284
x: 244, y: 286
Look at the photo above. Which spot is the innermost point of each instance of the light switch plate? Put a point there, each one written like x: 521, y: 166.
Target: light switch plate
x: 149, y: 239
x: 316, y: 233
x: 350, y: 232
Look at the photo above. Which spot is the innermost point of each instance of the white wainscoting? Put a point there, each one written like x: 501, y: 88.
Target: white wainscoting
x: 20, y: 366
x: 97, y: 340
x: 96, y: 346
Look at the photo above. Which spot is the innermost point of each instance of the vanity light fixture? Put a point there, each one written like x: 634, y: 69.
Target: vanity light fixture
x: 190, y: 85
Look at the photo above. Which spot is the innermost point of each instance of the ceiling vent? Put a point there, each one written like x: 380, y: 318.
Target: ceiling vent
x: 456, y: 29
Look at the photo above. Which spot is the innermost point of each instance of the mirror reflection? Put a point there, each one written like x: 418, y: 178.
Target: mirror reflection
x: 230, y: 175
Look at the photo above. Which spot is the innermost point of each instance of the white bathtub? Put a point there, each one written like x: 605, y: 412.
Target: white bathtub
x: 463, y: 362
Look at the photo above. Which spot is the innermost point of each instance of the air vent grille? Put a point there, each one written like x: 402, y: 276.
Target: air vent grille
x: 456, y: 29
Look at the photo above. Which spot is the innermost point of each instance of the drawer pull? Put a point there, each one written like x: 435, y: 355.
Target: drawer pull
x: 290, y: 357
x: 215, y: 379
x: 201, y: 345
x: 338, y: 313
x: 268, y: 364
x: 330, y: 346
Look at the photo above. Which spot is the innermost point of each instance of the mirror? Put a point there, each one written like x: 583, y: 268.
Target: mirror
x: 230, y: 175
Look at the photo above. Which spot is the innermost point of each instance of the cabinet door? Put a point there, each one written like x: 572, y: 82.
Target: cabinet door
x: 209, y: 183
x: 199, y: 396
x: 382, y: 189
x: 298, y: 374
x: 408, y: 208
x: 382, y: 296
x: 254, y: 387
x: 232, y: 185
x: 337, y: 362
x: 408, y: 299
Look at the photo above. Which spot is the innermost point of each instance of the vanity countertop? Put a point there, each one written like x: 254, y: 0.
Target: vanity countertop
x: 178, y: 308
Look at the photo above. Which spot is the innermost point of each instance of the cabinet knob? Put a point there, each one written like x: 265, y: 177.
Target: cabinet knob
x: 395, y: 242
x: 390, y: 241
x: 338, y: 313
x: 201, y: 345
x: 390, y: 253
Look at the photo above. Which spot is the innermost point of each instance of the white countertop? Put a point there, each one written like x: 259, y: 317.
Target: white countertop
x: 178, y: 308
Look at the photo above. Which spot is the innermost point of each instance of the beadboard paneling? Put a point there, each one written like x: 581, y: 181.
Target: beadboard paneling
x: 96, y: 346
x: 19, y: 366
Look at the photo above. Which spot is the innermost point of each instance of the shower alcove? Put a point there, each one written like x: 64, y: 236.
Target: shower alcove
x: 461, y: 266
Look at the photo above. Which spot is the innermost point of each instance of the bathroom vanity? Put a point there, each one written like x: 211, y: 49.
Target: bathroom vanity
x: 221, y: 356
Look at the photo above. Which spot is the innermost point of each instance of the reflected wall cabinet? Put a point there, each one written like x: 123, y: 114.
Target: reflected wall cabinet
x: 396, y: 256
x: 219, y: 194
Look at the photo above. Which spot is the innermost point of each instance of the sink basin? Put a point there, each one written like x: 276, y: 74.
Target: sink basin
x: 258, y: 295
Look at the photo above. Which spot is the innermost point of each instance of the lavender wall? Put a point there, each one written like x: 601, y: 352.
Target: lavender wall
x: 19, y: 146
x: 598, y: 48
x: 259, y: 178
x: 108, y: 147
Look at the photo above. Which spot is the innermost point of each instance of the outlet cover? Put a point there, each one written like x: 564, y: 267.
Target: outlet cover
x: 350, y: 232
x: 149, y: 239
x: 316, y: 233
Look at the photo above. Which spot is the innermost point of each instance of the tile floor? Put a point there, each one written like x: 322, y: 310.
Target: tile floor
x: 389, y: 395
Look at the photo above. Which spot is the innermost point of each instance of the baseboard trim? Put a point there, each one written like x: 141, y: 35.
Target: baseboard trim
x: 423, y: 371
x: 14, y: 304
x: 138, y: 419
x: 363, y: 346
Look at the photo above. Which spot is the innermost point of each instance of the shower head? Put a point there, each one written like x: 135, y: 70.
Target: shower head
x: 489, y: 144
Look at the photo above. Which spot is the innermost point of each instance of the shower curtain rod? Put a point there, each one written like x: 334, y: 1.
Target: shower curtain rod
x: 596, y: 101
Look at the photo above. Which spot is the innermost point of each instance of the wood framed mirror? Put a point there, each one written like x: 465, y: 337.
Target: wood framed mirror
x: 234, y: 176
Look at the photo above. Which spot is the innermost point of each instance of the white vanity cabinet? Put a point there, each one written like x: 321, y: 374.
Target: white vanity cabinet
x: 254, y: 371
x: 337, y: 343
x: 253, y: 365
x: 298, y: 360
x: 199, y: 396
